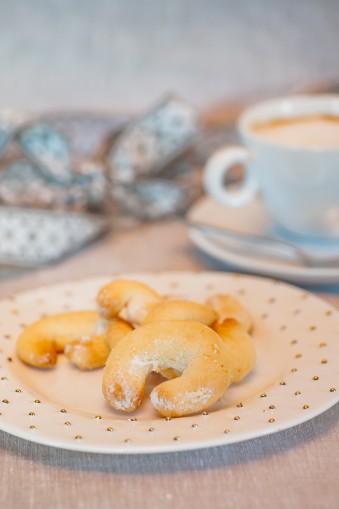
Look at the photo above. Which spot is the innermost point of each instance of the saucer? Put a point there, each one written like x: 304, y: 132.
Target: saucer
x: 254, y: 219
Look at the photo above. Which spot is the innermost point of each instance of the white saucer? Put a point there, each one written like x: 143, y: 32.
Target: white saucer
x: 254, y: 219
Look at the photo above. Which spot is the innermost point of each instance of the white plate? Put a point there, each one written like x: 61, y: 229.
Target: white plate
x: 253, y: 219
x: 294, y: 333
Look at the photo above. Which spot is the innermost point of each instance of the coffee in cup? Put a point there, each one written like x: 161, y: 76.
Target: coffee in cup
x: 291, y: 156
x: 317, y: 131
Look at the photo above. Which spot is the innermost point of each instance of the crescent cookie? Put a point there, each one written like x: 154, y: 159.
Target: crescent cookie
x: 132, y: 297
x: 189, y: 347
x: 229, y: 307
x: 40, y: 342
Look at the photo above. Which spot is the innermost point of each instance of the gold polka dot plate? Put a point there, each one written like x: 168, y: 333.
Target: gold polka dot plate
x: 295, y: 378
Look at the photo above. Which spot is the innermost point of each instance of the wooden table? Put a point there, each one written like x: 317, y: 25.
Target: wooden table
x: 296, y: 468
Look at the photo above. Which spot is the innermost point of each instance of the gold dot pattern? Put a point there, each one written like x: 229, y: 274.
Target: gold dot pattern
x: 280, y: 308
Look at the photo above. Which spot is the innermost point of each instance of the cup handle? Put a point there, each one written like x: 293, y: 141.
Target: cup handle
x: 217, y: 168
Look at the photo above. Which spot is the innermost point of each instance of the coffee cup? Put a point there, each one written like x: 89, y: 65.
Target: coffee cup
x: 291, y: 157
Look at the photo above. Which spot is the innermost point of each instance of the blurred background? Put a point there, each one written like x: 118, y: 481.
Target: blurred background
x: 65, y: 62
x: 119, y: 55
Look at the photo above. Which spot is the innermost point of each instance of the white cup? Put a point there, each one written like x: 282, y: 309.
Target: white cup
x: 299, y: 185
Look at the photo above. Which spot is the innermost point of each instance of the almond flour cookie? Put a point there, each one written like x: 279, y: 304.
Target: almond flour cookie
x: 191, y: 348
x: 39, y: 344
